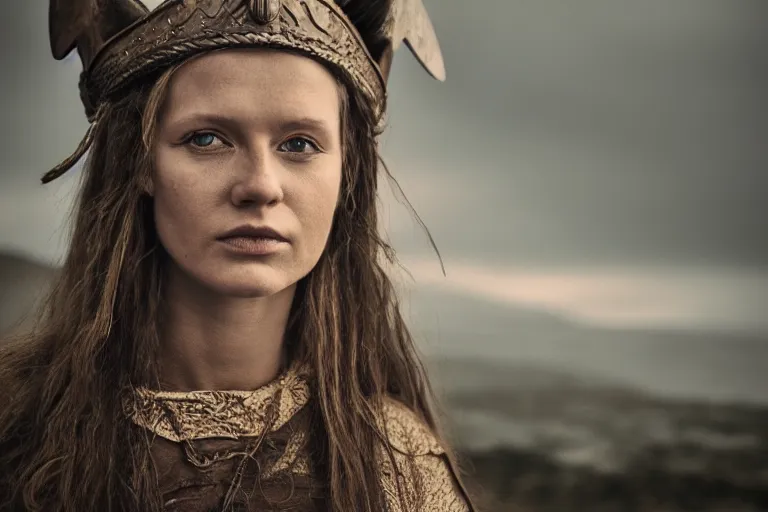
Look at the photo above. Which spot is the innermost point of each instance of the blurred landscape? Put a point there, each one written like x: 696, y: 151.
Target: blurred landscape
x: 582, y: 418
x: 23, y: 283
x: 552, y: 428
x: 535, y: 439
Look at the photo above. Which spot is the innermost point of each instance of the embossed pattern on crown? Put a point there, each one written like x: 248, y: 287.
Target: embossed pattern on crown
x: 180, y: 29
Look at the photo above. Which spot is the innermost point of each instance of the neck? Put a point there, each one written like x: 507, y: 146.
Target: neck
x: 215, y: 342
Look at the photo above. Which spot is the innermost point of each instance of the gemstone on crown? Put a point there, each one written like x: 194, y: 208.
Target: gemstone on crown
x: 264, y: 11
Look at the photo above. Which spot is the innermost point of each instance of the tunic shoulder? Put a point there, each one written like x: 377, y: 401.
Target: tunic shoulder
x: 421, y: 468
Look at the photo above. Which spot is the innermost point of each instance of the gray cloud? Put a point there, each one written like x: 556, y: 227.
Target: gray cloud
x: 603, y: 132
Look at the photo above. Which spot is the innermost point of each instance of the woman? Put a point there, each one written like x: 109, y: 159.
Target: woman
x: 223, y: 335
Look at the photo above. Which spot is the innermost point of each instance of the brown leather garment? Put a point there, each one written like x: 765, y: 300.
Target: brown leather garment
x: 196, y: 476
x: 248, y: 451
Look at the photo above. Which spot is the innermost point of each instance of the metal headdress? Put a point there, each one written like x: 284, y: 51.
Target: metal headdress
x: 120, y: 41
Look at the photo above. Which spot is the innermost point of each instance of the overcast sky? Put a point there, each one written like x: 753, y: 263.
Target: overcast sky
x: 618, y: 147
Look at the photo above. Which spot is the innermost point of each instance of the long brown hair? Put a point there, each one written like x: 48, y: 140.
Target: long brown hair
x: 65, y: 444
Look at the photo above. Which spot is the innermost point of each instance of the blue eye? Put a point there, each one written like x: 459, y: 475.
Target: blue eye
x: 299, y: 145
x: 202, y: 139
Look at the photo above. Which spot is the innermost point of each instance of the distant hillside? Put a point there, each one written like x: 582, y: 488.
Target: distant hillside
x: 540, y: 440
x: 23, y: 283
x: 720, y: 366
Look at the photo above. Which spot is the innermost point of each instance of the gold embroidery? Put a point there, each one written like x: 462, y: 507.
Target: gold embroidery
x: 293, y: 457
x: 185, y: 416
x: 413, y: 441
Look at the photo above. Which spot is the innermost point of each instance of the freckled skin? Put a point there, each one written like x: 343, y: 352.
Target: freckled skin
x: 251, y: 162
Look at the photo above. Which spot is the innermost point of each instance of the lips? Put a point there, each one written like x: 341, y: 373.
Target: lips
x: 253, y: 232
x: 253, y: 241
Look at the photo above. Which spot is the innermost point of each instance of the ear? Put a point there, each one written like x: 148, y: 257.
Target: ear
x: 88, y: 24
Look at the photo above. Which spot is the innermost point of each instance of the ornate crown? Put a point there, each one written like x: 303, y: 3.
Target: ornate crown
x: 120, y: 41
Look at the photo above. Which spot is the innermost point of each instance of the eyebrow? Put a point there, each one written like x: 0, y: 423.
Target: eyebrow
x: 285, y: 125
x: 309, y: 123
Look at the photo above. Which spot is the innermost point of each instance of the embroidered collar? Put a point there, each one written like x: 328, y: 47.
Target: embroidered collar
x: 187, y: 416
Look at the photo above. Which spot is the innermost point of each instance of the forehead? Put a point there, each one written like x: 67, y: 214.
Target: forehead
x: 258, y: 81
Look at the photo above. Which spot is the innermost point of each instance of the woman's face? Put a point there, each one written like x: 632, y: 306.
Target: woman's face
x: 247, y: 169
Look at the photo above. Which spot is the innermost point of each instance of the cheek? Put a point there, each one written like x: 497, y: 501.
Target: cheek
x: 317, y: 207
x: 181, y: 201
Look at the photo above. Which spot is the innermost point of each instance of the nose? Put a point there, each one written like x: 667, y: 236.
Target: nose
x: 257, y: 181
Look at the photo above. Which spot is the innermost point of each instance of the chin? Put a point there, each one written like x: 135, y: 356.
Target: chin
x: 252, y: 283
x: 240, y: 279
